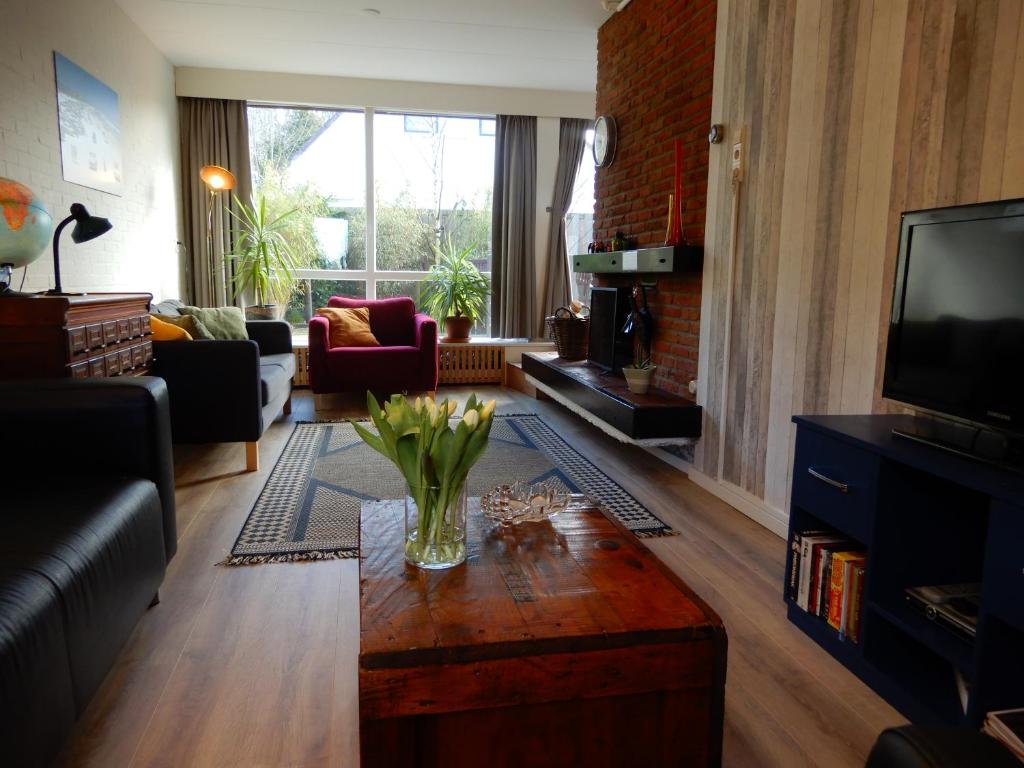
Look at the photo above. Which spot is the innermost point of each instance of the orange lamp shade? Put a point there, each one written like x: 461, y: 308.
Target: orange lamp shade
x: 217, y: 178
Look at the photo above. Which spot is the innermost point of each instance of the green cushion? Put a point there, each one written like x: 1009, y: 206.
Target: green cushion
x: 195, y: 327
x: 223, y: 322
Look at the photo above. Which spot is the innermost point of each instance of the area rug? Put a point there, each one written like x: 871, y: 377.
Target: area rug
x: 309, y: 508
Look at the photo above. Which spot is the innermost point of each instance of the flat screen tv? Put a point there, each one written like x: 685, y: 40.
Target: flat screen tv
x: 956, y: 336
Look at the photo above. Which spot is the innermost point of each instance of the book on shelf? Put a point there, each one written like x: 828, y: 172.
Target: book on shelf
x: 1007, y: 726
x: 842, y: 563
x: 826, y: 578
x: 811, y: 544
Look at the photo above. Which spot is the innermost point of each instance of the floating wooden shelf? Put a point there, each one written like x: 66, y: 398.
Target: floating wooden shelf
x: 666, y: 259
x: 657, y: 415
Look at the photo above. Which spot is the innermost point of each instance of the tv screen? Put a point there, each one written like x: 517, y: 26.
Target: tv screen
x: 956, y: 337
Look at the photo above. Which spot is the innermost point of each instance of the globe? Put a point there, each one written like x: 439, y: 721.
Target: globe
x: 25, y: 225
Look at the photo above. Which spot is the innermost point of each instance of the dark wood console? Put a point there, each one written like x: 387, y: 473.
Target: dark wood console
x: 96, y: 334
x: 924, y: 517
x: 652, y: 416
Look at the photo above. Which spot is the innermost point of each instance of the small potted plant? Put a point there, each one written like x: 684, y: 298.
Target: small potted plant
x: 264, y: 261
x: 638, y: 375
x: 455, y: 292
x: 640, y: 325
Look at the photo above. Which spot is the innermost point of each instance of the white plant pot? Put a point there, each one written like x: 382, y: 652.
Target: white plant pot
x: 638, y: 379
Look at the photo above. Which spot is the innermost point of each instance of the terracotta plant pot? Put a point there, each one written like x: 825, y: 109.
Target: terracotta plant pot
x: 265, y: 312
x: 638, y: 379
x: 457, y: 329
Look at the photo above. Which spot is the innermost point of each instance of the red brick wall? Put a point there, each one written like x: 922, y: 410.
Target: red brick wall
x: 655, y: 63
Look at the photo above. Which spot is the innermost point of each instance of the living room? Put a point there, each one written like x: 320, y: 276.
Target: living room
x: 606, y: 383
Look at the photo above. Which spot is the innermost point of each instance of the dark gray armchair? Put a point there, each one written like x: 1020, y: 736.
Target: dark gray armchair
x: 228, y: 391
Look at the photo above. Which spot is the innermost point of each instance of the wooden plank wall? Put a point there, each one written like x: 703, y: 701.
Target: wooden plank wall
x: 852, y: 111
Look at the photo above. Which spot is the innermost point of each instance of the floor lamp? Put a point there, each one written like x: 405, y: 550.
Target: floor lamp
x: 217, y: 179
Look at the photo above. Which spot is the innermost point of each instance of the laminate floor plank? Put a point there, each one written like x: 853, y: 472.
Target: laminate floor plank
x: 257, y: 665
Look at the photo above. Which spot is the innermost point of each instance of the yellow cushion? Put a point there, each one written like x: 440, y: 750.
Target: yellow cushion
x: 163, y: 331
x: 349, y: 327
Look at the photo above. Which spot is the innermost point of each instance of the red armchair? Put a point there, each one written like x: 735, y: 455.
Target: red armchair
x: 406, y: 361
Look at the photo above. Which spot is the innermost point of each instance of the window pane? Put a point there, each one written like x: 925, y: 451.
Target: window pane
x: 313, y: 161
x: 579, y: 221
x: 313, y: 294
x: 387, y: 289
x: 430, y: 184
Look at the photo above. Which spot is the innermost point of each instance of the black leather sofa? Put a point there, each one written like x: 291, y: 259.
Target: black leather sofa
x: 227, y: 391
x: 912, y: 746
x: 87, y: 526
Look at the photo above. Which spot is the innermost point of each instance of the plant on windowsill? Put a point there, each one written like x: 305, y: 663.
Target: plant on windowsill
x: 455, y: 292
x: 264, y: 263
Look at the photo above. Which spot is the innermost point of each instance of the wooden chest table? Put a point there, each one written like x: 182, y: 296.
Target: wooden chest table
x: 559, y: 643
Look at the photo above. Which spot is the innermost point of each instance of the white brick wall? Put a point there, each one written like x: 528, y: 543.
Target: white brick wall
x: 140, y: 253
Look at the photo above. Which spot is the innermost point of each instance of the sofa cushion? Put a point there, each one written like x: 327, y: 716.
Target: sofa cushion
x: 192, y: 325
x: 391, y: 320
x: 164, y: 331
x: 170, y: 307
x: 225, y: 323
x: 36, y: 697
x: 274, y: 378
x: 382, y: 369
x: 100, y: 543
x: 349, y: 327
x: 284, y: 360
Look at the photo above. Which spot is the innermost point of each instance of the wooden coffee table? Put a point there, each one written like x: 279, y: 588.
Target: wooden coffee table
x: 558, y: 643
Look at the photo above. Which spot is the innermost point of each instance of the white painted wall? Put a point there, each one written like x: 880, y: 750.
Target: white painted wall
x: 140, y: 253
x: 327, y: 91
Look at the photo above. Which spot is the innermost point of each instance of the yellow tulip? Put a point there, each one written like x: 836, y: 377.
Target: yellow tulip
x: 488, y: 409
x: 471, y: 419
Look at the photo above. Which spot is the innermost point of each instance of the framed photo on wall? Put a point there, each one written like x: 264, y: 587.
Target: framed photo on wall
x: 90, y: 128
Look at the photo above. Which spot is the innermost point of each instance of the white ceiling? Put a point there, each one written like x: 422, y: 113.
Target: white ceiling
x: 548, y: 44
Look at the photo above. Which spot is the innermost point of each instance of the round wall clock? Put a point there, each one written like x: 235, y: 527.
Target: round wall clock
x: 604, y: 141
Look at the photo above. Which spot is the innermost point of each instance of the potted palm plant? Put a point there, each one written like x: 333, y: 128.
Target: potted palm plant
x: 264, y: 261
x: 455, y: 292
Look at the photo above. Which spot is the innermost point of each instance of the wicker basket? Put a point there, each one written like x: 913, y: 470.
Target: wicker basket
x: 570, y: 333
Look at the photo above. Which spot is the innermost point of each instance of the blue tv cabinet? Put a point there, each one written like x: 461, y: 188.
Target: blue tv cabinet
x: 924, y: 516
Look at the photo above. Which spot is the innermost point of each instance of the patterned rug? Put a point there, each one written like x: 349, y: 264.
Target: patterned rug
x: 309, y: 508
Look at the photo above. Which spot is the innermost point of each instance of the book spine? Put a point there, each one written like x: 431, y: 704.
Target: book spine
x: 817, y: 556
x: 835, y: 591
x: 844, y: 608
x: 854, y: 621
x: 794, y: 566
x: 825, y: 585
x: 803, y: 590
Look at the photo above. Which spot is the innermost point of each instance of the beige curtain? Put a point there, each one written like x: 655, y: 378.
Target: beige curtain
x: 572, y: 141
x: 213, y: 132
x: 513, y: 263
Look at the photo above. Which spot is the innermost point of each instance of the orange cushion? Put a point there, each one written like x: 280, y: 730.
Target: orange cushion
x: 164, y: 331
x: 349, y: 327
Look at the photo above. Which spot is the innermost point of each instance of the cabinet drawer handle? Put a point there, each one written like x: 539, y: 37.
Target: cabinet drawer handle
x: 841, y: 487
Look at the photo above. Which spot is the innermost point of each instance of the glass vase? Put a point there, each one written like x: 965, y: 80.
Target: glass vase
x: 435, y: 526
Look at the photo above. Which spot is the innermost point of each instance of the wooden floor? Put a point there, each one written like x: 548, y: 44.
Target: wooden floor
x: 256, y: 666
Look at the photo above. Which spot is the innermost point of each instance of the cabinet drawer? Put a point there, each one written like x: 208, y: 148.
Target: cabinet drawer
x: 94, y: 335
x: 97, y: 367
x: 124, y: 329
x: 135, y: 326
x: 1004, y: 565
x: 126, y: 360
x: 77, y: 341
x: 113, y: 363
x: 147, y: 351
x: 110, y: 332
x: 835, y: 482
x: 138, y: 356
x: 79, y: 370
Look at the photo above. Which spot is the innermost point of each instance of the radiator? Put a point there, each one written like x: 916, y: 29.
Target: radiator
x: 470, y: 364
x: 301, y: 367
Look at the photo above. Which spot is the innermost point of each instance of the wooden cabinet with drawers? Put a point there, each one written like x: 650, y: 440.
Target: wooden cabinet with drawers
x: 97, y: 334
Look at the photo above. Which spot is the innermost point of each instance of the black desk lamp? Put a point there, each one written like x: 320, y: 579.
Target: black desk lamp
x: 86, y: 228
